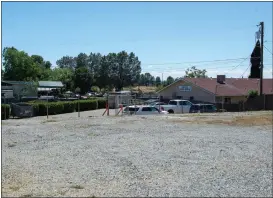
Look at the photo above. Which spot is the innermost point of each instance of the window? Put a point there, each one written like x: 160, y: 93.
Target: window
x: 227, y: 100
x: 133, y: 109
x: 209, y: 107
x: 154, y: 109
x: 172, y: 102
x: 184, y: 103
x: 146, y: 109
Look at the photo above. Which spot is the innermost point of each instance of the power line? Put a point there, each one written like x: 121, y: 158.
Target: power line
x: 268, y: 50
x: 223, y: 60
x: 182, y: 69
x: 246, y: 70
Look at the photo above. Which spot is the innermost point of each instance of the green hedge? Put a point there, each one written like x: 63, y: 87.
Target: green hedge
x: 101, y: 103
x: 40, y: 107
x: 5, y: 111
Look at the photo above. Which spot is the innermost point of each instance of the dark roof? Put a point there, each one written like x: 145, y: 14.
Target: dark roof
x: 231, y: 86
x: 16, y: 82
x: 51, y: 84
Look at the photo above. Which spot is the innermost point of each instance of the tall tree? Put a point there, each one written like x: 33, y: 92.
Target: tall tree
x: 193, y: 72
x: 157, y: 81
x: 170, y: 80
x: 65, y: 75
x: 19, y: 65
x: 255, y: 61
x: 67, y: 62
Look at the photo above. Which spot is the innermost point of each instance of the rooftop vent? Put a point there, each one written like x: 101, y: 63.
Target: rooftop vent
x: 221, y: 79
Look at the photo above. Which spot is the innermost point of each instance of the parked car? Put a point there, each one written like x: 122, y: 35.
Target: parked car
x: 203, y: 108
x: 143, y: 110
x: 158, y: 103
x: 176, y: 106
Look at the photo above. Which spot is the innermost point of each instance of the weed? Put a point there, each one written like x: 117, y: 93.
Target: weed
x: 12, y: 144
x: 77, y: 187
x: 14, y: 188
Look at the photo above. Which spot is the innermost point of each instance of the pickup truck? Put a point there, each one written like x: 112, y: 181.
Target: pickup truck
x: 176, y: 106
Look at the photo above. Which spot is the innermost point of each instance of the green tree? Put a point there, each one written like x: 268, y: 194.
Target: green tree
x: 65, y: 75
x: 82, y: 79
x: 67, y: 62
x: 19, y: 65
x: 157, y: 81
x: 193, y: 72
x: 170, y: 80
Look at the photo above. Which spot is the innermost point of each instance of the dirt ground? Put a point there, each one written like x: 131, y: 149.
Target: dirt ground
x: 216, y: 155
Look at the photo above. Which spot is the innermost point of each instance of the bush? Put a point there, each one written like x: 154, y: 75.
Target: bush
x: 101, y: 104
x: 252, y: 93
x: 5, y: 111
x: 40, y: 108
x: 86, y: 105
x: 69, y: 107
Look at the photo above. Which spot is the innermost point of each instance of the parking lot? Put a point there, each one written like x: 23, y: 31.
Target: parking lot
x: 223, y: 154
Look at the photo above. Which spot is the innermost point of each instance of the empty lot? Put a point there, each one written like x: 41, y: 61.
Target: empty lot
x: 176, y: 155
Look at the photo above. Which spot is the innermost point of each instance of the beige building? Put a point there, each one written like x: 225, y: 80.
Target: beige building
x: 214, y: 90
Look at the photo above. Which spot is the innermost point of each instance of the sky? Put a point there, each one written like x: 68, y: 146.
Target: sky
x: 167, y: 37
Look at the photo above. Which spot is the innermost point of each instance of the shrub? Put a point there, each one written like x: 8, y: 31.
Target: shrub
x: 86, y: 105
x: 5, y: 111
x: 69, y: 107
x: 252, y: 93
x: 101, y: 103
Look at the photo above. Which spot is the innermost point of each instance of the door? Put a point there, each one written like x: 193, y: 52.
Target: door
x: 186, y: 105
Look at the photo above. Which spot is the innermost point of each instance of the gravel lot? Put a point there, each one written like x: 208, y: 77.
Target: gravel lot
x: 133, y: 156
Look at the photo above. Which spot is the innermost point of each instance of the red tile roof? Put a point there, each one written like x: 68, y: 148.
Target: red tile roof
x: 232, y: 86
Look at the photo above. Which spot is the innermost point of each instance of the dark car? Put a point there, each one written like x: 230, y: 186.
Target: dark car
x: 203, y: 108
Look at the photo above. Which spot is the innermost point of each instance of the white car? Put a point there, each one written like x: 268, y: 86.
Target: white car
x: 176, y: 106
x: 143, y: 110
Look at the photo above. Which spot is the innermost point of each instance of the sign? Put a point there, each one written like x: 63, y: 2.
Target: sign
x: 184, y: 88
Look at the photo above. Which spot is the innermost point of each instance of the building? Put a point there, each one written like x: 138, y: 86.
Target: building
x: 214, y: 90
x: 16, y: 90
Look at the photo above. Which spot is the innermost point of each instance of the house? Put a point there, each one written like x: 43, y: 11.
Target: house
x: 16, y: 90
x: 214, y: 90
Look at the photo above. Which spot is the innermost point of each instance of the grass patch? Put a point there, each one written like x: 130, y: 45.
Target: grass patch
x: 45, y: 121
x: 239, y: 120
x: 77, y: 187
x: 14, y: 188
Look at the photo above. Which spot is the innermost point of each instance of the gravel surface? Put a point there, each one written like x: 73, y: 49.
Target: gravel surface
x: 133, y: 156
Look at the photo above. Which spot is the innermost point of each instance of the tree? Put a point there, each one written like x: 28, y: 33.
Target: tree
x: 95, y: 89
x: 82, y: 79
x: 65, y: 75
x: 19, y: 65
x: 67, y: 62
x: 255, y: 61
x: 170, y: 80
x: 157, y: 81
x: 193, y: 72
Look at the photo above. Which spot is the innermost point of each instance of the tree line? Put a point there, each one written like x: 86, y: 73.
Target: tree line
x: 114, y: 70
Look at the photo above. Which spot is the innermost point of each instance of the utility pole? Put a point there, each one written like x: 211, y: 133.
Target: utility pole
x: 262, y: 57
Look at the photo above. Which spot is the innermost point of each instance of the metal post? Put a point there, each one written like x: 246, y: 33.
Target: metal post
x: 222, y: 104
x: 47, y: 106
x: 78, y: 108
x: 261, y: 58
x: 107, y: 98
x: 264, y: 102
